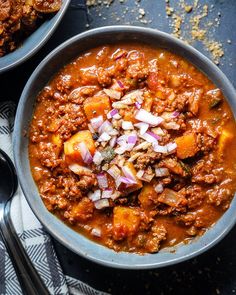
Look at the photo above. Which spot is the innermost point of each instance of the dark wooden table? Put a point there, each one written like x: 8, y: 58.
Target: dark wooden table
x: 211, y: 273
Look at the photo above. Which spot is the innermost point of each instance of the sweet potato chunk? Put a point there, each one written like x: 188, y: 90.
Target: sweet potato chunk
x: 82, y: 210
x: 225, y: 137
x: 147, y: 196
x: 125, y: 222
x: 71, y: 146
x: 96, y: 106
x: 186, y: 145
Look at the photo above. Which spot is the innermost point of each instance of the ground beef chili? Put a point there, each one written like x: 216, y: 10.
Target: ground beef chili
x: 133, y: 147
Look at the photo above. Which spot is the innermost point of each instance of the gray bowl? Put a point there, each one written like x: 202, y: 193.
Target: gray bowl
x: 33, y: 42
x: 69, y: 238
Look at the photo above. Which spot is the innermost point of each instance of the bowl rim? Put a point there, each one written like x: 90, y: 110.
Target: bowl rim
x: 17, y: 61
x: 227, y: 220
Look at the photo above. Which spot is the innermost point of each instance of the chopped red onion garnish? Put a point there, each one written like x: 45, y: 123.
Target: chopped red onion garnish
x: 122, y: 139
x: 147, y: 117
x: 78, y: 169
x: 104, y: 137
x: 171, y: 147
x: 115, y: 195
x: 120, y: 84
x: 175, y: 114
x: 85, y: 153
x: 94, y: 196
x: 112, y: 113
x: 128, y: 174
x: 114, y: 171
x: 112, y: 142
x: 126, y: 180
x: 127, y: 125
x: 132, y: 138
x: 113, y: 93
x: 97, y: 158
x: 120, y: 150
x: 140, y: 174
x: 160, y: 148
x: 138, y: 105
x: 105, y: 127
x: 91, y: 128
x: 160, y: 172
x: 157, y: 137
x: 149, y: 138
x: 133, y: 96
x: 106, y: 194
x: 96, y: 232
x: 143, y: 127
x: 159, y: 188
x: 102, y: 180
x: 96, y: 122
x: 100, y: 204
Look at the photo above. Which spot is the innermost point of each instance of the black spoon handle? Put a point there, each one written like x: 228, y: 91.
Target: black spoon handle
x: 28, y: 277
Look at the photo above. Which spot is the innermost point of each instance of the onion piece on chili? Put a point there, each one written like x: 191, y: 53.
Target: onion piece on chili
x: 146, y: 117
x: 78, y: 169
x: 143, y: 127
x: 105, y: 127
x: 159, y: 188
x: 94, y: 196
x: 112, y: 142
x: 132, y: 139
x: 104, y: 137
x: 115, y: 195
x: 97, y: 158
x: 160, y: 172
x: 129, y: 174
x: 149, y: 138
x: 112, y: 113
x: 102, y: 180
x: 114, y: 171
x: 102, y: 203
x: 106, y: 194
x: 126, y: 180
x: 140, y: 173
x: 85, y: 153
x: 127, y: 125
x: 113, y: 93
x: 171, y: 147
x: 96, y: 232
x: 96, y: 122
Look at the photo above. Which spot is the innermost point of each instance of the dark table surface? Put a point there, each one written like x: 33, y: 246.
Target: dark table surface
x: 211, y: 273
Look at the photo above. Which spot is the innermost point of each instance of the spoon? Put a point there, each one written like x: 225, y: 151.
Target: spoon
x: 30, y: 281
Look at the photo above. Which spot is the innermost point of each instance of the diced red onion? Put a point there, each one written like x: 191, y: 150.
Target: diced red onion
x: 100, y: 204
x: 140, y: 174
x: 175, y: 114
x: 171, y: 125
x: 143, y: 127
x: 132, y: 138
x: 138, y: 105
x: 96, y: 122
x: 112, y: 113
x: 115, y: 195
x: 97, y: 158
x: 157, y: 137
x: 105, y: 127
x: 147, y: 117
x: 104, y: 137
x: 129, y: 174
x: 78, y: 169
x: 171, y: 147
x: 120, y: 84
x: 106, y: 194
x: 91, y: 128
x: 160, y: 148
x: 160, y: 172
x: 114, y: 171
x: 102, y: 180
x: 136, y: 95
x: 112, y: 142
x: 122, y: 139
x: 94, y: 196
x: 113, y: 93
x: 117, y: 117
x: 127, y: 180
x: 159, y: 188
x: 85, y: 153
x: 127, y: 125
x: 148, y: 177
x: 113, y: 132
x: 121, y: 150
x: 148, y: 138
x: 96, y: 232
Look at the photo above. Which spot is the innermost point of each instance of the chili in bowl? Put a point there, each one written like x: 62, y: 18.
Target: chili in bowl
x: 131, y: 146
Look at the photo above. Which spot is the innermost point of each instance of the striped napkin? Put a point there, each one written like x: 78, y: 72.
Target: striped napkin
x: 34, y: 238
